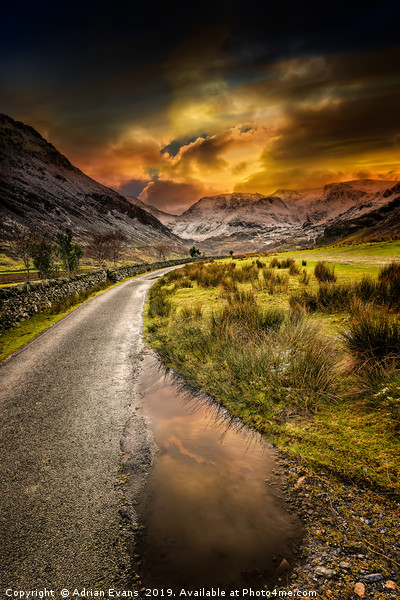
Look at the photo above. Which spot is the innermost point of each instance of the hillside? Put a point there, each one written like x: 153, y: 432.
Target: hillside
x: 165, y: 218
x: 382, y: 223
x: 40, y: 189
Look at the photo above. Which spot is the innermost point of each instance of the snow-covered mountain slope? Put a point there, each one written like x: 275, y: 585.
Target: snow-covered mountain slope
x: 247, y: 222
x: 381, y: 223
x: 40, y: 189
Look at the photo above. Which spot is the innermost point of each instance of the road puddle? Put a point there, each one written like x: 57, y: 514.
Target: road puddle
x: 209, y: 518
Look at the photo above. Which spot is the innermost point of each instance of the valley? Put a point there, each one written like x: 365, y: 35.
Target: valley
x: 42, y: 191
x: 260, y: 333
x: 257, y: 223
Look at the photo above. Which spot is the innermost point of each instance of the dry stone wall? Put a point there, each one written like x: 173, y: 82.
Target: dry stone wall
x: 19, y: 302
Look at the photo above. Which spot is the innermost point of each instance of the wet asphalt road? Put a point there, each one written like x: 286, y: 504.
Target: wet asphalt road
x: 64, y: 402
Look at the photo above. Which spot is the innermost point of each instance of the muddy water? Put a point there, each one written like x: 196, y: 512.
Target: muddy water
x: 209, y: 517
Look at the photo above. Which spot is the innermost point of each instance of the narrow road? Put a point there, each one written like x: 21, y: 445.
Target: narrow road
x: 64, y: 402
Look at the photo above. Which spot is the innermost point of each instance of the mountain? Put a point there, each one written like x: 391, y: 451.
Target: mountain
x: 40, y: 189
x: 165, y: 218
x: 255, y: 222
x: 382, y: 223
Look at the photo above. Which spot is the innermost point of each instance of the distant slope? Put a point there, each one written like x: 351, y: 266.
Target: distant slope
x: 40, y: 189
x: 164, y: 218
x: 378, y: 224
x: 250, y: 222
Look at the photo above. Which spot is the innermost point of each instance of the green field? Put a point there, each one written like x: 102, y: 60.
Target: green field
x: 315, y: 368
x: 328, y: 408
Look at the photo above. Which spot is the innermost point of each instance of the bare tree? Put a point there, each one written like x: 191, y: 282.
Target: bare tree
x: 99, y: 248
x: 117, y: 243
x: 22, y: 246
x: 161, y: 251
x: 108, y: 246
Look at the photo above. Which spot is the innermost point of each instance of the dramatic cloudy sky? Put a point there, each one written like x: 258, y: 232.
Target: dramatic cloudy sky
x: 174, y: 101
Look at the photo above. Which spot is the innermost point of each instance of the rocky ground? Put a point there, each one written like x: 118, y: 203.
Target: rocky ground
x: 351, y: 547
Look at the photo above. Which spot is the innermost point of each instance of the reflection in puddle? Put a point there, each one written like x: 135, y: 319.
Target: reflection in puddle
x: 209, y: 518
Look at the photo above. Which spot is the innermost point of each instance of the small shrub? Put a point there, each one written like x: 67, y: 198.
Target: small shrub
x: 304, y: 263
x: 325, y: 273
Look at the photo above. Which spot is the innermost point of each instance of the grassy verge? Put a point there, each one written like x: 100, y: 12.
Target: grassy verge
x: 319, y: 379
x: 308, y: 377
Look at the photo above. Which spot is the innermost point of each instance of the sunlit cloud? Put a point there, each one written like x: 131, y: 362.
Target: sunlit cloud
x: 172, y: 196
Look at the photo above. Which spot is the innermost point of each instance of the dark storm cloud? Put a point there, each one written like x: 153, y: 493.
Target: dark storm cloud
x: 132, y: 188
x: 124, y: 89
x: 350, y: 126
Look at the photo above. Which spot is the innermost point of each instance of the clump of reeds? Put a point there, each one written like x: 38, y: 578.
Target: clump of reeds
x: 190, y: 312
x: 294, y: 269
x: 324, y: 272
x: 304, y: 277
x: 373, y: 338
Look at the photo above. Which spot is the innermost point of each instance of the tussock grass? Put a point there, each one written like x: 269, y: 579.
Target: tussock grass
x: 286, y: 263
x: 294, y: 269
x: 305, y: 277
x: 373, y: 339
x: 324, y: 272
x: 384, y: 292
x: 160, y: 305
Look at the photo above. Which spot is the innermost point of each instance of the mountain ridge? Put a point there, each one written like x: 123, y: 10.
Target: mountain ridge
x: 260, y: 222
